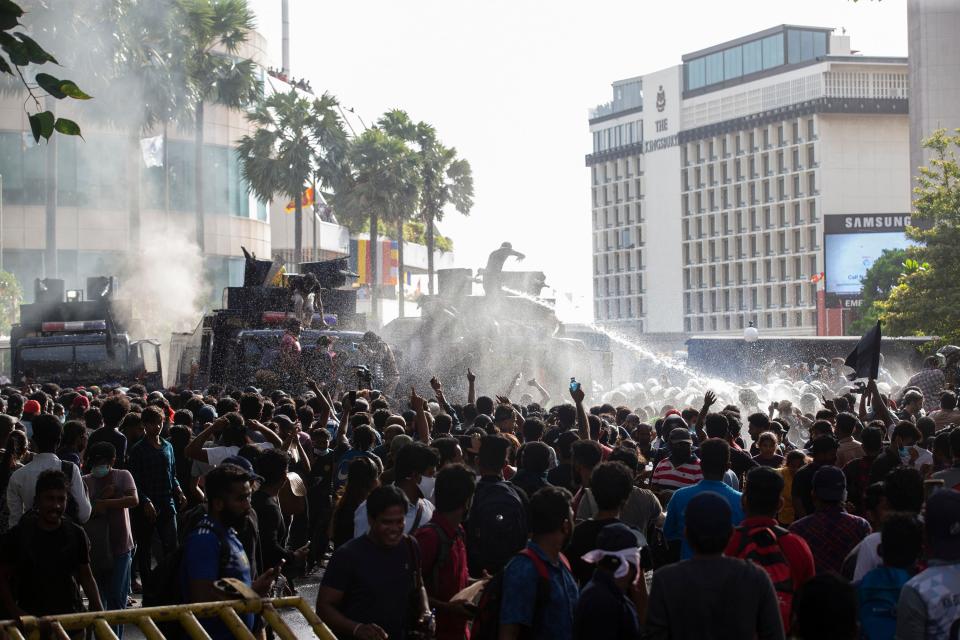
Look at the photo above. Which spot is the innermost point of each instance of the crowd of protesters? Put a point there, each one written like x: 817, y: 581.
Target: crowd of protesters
x: 481, y: 518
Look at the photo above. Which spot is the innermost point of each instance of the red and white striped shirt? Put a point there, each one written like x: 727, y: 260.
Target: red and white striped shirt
x: 666, y: 475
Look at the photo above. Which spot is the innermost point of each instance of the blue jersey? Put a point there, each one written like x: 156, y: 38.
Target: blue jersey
x: 202, y: 560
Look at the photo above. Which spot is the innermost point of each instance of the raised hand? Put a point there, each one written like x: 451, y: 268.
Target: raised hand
x: 709, y: 399
x: 471, y: 376
x: 436, y: 385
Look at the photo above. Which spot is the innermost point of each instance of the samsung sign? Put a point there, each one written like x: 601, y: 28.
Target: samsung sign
x: 866, y: 223
x: 851, y: 245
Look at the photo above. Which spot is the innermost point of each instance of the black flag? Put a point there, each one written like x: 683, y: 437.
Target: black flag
x: 865, y: 358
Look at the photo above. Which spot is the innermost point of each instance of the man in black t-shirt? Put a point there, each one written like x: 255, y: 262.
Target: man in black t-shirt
x: 371, y: 580
x: 46, y: 558
x: 610, y: 485
x: 272, y: 465
x: 824, y: 452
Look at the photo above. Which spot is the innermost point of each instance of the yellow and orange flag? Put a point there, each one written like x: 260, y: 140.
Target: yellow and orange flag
x: 305, y: 201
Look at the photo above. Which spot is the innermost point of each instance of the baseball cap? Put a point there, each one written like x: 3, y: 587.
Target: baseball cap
x: 206, y: 413
x: 709, y: 513
x: 830, y: 484
x: 243, y: 463
x: 680, y: 435
x: 942, y: 520
x: 80, y: 402
x: 31, y: 407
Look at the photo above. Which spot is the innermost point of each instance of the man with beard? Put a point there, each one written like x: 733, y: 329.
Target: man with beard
x: 205, y: 560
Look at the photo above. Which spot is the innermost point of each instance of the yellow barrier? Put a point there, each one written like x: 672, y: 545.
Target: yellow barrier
x: 101, y: 622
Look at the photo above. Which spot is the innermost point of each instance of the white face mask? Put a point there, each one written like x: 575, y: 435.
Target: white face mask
x: 426, y: 485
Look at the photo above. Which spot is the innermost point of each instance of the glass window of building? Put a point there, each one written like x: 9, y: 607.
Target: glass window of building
x: 733, y: 63
x: 714, y: 68
x: 752, y: 57
x: 696, y: 73
x: 772, y: 51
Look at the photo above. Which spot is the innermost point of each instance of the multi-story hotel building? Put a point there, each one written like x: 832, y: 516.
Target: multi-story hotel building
x: 711, y: 181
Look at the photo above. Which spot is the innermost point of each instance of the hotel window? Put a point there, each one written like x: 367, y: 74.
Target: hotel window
x: 733, y: 63
x: 773, y: 51
x: 752, y: 57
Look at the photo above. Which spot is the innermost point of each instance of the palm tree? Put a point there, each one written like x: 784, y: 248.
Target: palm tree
x: 296, y: 142
x: 398, y: 124
x: 383, y: 181
x: 212, y: 33
x: 447, y: 180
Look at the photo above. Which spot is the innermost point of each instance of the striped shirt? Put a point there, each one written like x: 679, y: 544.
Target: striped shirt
x: 666, y: 475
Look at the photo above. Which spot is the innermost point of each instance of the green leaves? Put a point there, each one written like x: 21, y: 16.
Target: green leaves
x: 43, y: 125
x: 21, y: 50
x: 67, y: 127
x: 60, y: 89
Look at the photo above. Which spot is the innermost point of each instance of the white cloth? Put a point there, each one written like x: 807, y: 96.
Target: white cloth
x: 22, y: 487
x: 361, y: 525
x: 867, y: 556
x: 627, y: 557
x: 217, y: 454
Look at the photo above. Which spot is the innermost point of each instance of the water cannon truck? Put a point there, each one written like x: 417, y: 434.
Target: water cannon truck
x: 239, y: 344
x: 72, y: 340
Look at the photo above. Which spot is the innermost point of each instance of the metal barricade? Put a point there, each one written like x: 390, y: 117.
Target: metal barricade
x: 101, y: 623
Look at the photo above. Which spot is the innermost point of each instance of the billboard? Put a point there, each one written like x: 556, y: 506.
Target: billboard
x: 852, y: 243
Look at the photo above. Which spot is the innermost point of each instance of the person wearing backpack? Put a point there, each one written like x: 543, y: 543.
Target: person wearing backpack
x: 47, y: 432
x: 710, y: 595
x: 901, y: 542
x: 213, y: 550
x: 783, y: 555
x: 539, y: 593
x: 443, y: 553
x: 497, y: 523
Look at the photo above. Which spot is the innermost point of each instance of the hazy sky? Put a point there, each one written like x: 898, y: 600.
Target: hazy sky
x: 509, y: 83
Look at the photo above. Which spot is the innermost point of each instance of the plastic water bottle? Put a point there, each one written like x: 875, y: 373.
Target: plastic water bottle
x: 574, y: 385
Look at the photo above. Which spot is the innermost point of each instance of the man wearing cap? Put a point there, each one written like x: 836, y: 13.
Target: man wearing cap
x: 824, y: 452
x: 714, y: 461
x: 830, y: 532
x: 31, y: 409
x: 213, y: 550
x: 691, y: 596
x: 609, y: 603
x: 929, y: 605
x: 681, y: 468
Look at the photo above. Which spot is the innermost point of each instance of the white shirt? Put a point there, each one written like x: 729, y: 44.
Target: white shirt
x: 361, y: 525
x: 868, y: 557
x: 22, y: 487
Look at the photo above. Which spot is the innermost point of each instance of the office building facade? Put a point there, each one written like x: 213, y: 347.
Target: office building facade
x: 934, y: 60
x: 711, y: 180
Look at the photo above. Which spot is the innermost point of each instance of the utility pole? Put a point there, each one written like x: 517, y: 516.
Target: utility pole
x: 285, y: 38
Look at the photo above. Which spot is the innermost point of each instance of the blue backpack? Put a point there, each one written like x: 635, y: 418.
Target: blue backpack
x: 877, y: 596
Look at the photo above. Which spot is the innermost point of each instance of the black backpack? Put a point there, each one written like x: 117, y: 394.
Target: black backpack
x: 486, y: 626
x: 496, y: 527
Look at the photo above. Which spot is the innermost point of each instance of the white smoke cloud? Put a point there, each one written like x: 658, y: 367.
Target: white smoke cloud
x: 165, y: 281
